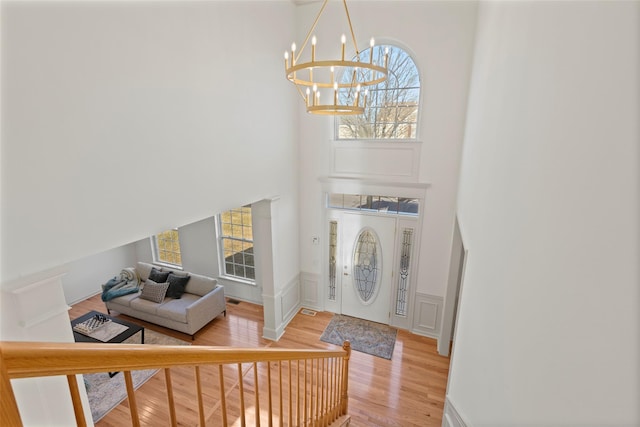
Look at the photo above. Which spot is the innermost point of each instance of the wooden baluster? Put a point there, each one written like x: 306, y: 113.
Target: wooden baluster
x: 336, y: 374
x: 304, y: 415
x: 170, y: 400
x: 280, y: 414
x: 291, y: 400
x: 133, y: 408
x: 269, y: 391
x: 339, y: 390
x: 199, y: 392
x: 325, y: 393
x: 311, y: 392
x: 298, y: 400
x: 318, y: 391
x: 329, y: 414
x: 75, y: 398
x: 243, y: 420
x: 223, y: 397
x: 321, y: 397
x: 257, y: 392
x: 333, y: 389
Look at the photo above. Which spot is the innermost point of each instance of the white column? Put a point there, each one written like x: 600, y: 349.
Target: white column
x: 34, y: 309
x: 265, y: 214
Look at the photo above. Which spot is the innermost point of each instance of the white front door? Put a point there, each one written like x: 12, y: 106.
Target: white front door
x: 367, y: 258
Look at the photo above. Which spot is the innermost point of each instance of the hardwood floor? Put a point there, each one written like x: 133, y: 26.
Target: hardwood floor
x: 407, y: 390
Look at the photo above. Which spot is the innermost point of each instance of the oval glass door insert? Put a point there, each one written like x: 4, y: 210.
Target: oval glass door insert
x: 366, y: 265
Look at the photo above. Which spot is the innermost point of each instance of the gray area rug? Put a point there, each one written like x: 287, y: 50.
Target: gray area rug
x: 106, y: 393
x: 365, y: 336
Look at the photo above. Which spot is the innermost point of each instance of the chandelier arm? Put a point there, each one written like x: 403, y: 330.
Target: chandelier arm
x: 353, y: 36
x: 313, y: 27
x: 301, y: 93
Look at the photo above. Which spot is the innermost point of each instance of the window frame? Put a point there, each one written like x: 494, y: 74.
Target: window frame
x: 155, y: 251
x: 220, y: 238
x: 418, y: 87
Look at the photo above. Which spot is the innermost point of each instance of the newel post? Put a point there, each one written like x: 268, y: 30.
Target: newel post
x: 345, y: 379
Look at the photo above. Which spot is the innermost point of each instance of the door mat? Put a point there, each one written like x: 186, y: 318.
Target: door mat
x: 365, y: 336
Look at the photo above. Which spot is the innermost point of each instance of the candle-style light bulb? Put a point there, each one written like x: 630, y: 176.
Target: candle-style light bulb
x: 293, y: 54
x: 313, y: 48
x: 372, y: 42
x: 343, y: 40
x: 386, y: 56
x: 307, y: 98
x: 335, y: 93
x: 332, y: 70
x: 286, y: 60
x: 315, y: 91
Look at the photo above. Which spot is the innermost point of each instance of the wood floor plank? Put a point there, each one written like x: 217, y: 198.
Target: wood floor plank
x: 407, y: 390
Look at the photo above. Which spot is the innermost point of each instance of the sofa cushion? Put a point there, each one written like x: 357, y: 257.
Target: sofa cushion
x: 176, y: 285
x: 176, y: 309
x: 143, y: 269
x: 200, y: 285
x: 125, y: 299
x: 153, y: 291
x: 158, y: 276
x: 176, y: 272
x: 144, y: 306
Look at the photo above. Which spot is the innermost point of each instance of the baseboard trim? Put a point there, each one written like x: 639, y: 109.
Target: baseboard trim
x: 451, y: 416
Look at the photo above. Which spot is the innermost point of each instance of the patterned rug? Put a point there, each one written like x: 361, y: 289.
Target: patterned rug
x: 106, y: 393
x: 365, y: 336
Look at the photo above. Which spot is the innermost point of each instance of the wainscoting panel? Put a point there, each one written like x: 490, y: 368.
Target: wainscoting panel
x: 426, y: 318
x: 311, y: 295
x: 451, y: 417
x: 290, y: 300
x: 241, y: 291
x: 384, y: 160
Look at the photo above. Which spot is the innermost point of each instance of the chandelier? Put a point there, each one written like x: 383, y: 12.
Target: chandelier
x: 334, y: 86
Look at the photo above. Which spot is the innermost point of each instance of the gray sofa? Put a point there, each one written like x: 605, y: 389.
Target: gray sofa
x: 203, y: 300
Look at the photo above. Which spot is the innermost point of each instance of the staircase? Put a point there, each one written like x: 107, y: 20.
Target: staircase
x: 254, y: 386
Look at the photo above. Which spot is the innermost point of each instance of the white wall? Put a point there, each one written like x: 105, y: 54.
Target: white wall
x: 124, y: 119
x: 548, y: 328
x: 85, y: 276
x: 440, y: 36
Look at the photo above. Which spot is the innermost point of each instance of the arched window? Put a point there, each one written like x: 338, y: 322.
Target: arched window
x: 392, y: 106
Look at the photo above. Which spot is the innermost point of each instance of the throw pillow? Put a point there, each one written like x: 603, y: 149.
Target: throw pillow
x: 176, y: 285
x: 153, y: 291
x: 158, y: 276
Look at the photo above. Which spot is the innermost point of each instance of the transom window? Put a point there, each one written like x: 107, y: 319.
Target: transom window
x: 235, y: 239
x: 381, y: 204
x: 392, y: 106
x: 166, y: 248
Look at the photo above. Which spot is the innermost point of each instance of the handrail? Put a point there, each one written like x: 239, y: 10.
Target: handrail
x: 42, y: 359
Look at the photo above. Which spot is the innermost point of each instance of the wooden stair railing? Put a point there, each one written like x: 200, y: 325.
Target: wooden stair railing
x: 314, y: 391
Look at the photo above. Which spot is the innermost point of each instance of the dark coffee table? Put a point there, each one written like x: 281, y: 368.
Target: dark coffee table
x: 131, y: 330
